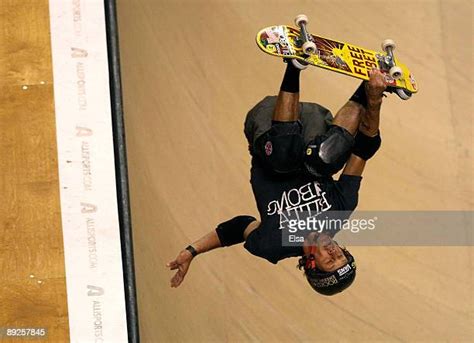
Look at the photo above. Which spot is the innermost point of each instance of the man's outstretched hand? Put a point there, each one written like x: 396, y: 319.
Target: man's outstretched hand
x: 181, y: 263
x: 376, y: 85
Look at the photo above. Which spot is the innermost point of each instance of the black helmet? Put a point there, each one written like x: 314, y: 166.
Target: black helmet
x: 329, y: 283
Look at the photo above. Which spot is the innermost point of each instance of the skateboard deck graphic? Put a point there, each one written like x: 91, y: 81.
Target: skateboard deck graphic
x: 352, y: 60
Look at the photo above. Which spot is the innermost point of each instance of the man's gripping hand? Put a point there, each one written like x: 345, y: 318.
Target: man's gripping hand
x: 181, y: 263
x: 374, y: 88
x: 376, y: 85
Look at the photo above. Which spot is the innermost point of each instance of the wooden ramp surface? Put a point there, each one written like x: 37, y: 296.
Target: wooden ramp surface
x: 32, y: 282
x: 191, y: 70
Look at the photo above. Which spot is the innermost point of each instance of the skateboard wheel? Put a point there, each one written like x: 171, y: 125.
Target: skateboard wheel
x: 396, y: 72
x: 301, y: 19
x: 403, y: 94
x: 298, y: 64
x: 309, y: 48
x: 388, y: 43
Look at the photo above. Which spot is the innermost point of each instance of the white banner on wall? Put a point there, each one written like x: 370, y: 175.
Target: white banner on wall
x: 94, y: 277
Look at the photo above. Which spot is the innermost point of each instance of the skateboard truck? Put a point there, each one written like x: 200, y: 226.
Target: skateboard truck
x: 394, y: 71
x: 308, y: 47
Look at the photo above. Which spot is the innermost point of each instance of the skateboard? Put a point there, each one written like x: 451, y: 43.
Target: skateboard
x: 306, y: 49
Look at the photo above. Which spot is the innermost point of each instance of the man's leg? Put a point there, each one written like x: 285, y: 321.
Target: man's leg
x: 287, y: 105
x: 362, y: 110
x: 327, y: 153
x: 348, y: 117
x: 281, y: 147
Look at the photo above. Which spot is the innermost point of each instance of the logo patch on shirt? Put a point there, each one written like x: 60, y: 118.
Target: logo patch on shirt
x: 268, y: 148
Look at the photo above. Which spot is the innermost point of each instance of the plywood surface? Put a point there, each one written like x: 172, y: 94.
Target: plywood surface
x: 32, y: 283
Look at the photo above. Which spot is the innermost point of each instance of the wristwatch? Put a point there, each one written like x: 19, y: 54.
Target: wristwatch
x: 191, y: 249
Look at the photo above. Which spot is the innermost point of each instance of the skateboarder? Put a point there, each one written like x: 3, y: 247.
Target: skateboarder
x: 296, y: 148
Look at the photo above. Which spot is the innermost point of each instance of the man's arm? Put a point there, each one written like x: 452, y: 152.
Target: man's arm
x: 206, y: 243
x: 370, y: 118
x: 183, y: 260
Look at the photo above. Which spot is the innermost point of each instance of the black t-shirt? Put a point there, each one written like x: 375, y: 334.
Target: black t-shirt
x: 281, y: 196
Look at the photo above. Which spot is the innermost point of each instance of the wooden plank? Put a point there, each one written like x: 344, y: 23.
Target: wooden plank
x: 32, y: 287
